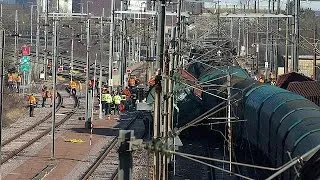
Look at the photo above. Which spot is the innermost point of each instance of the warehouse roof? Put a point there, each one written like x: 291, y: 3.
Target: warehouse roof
x: 284, y: 80
x: 308, y: 89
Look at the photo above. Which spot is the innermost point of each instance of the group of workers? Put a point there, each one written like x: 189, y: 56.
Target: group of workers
x: 14, y: 81
x: 45, y: 93
x: 120, y: 100
x: 271, y: 80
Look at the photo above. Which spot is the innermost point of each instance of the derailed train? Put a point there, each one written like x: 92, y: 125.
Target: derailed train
x: 279, y: 123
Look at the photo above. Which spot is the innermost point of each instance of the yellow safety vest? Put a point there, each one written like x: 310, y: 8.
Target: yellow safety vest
x: 104, y: 97
x: 108, y: 98
x: 117, y: 99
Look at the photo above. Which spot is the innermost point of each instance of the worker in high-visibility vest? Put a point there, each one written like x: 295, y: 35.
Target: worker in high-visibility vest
x: 117, y: 102
x: 108, y: 99
x: 44, y: 95
x: 73, y: 86
x: 18, y: 80
x: 124, y: 103
x: 32, y: 103
x: 104, y: 100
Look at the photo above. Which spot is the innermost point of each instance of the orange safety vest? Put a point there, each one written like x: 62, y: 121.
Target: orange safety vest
x: 72, y: 85
x: 152, y: 81
x: 132, y: 81
x: 32, y: 100
x: 127, y: 92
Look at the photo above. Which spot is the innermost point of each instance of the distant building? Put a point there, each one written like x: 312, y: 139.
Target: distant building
x: 65, y: 6
x: 137, y: 5
x: 305, y: 65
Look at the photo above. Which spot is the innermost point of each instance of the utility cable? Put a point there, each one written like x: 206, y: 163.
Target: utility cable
x: 221, y: 169
x: 227, y: 162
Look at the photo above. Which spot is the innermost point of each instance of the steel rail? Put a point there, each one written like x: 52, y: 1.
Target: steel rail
x: 34, y: 125
x: 105, y: 153
x: 47, y: 131
x: 115, y: 174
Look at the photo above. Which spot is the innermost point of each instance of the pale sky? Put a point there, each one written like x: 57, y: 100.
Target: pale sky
x: 314, y: 5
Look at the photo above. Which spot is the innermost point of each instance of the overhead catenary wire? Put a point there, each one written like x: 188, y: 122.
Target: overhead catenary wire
x: 205, y: 115
x: 204, y: 91
x: 227, y: 162
x: 210, y: 165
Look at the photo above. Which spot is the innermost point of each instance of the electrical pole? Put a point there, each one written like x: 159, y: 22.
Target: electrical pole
x: 159, y: 170
x: 247, y: 38
x: 72, y: 55
x: 88, y: 119
x: 296, y: 35
x: 16, y: 29
x: 37, y: 46
x: 178, y: 34
x: 46, y: 24
x: 31, y: 24
x: 94, y: 83
x: 315, y: 53
x: 81, y: 26
x: 1, y: 12
x: 239, y: 36
x: 176, y: 37
x: 121, y: 46
x: 31, y: 42
x: 266, y: 63
x: 125, y: 45
x: 229, y: 120
x: 100, y: 66
x: 153, y: 37
x: 111, y: 38
x: 2, y: 45
x: 287, y: 39
x: 54, y: 71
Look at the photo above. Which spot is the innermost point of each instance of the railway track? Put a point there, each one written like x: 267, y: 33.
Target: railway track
x: 108, y: 159
x: 19, y: 142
